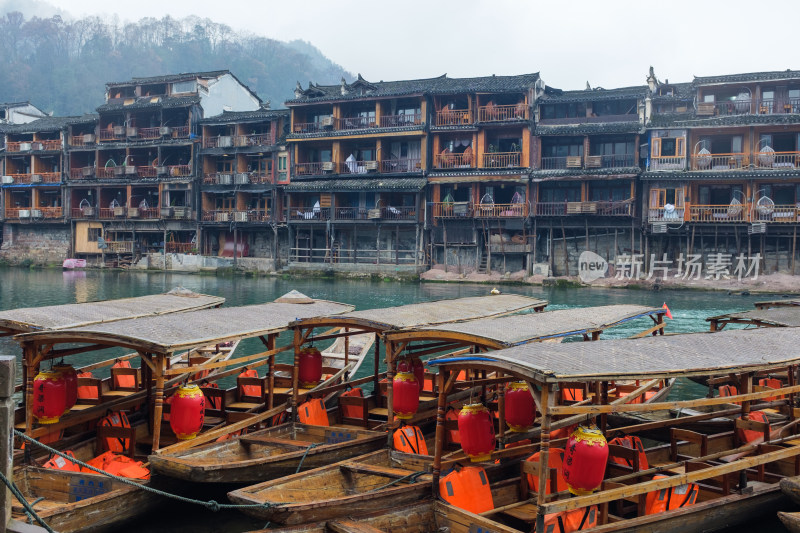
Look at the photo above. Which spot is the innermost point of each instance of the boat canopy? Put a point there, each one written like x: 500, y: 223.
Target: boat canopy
x: 788, y: 316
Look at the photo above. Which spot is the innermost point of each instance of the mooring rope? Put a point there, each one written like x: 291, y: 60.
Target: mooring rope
x: 310, y: 446
x: 27, y: 506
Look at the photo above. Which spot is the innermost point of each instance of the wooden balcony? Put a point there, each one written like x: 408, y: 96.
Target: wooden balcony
x: 111, y: 135
x: 724, y: 108
x: 33, y: 213
x: 771, y: 106
x: 452, y: 209
x: 354, y: 123
x: 396, y: 121
x: 668, y: 163
x: 30, y: 146
x: 779, y: 214
x: 454, y: 161
x: 660, y: 214
x: 82, y: 140
x: 391, y: 166
x: 225, y: 216
x: 179, y: 171
x: 350, y: 213
x: 179, y: 132
x: 622, y: 208
x: 312, y: 127
x: 780, y: 160
x: 82, y: 173
x: 718, y: 213
x: 502, y: 160
x: 257, y: 139
x: 561, y: 163
x: 399, y: 213
x: 309, y: 213
x: 358, y: 167
x: 36, y: 178
x: 501, y: 113
x: 501, y: 211
x: 180, y: 248
x: 313, y: 169
x: 453, y: 117
x: 720, y: 162
x: 119, y: 247
x: 147, y: 134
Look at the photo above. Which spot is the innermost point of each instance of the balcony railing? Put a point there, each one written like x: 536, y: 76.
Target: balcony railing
x: 309, y: 213
x: 369, y: 256
x: 501, y: 160
x: 777, y: 213
x: 106, y: 135
x: 119, y: 247
x: 668, y: 163
x: 180, y: 132
x: 147, y: 134
x: 777, y: 159
x: 180, y: 247
x: 550, y: 209
x: 717, y: 162
x: 81, y: 173
x: 358, y: 167
x: 350, y: 213
x: 396, y: 121
x: 233, y: 215
x: 454, y: 161
x: 390, y: 166
x: 179, y: 171
x: 36, y: 177
x: 718, y: 213
x: 34, y: 213
x: 28, y: 146
x: 610, y: 161
x: 724, y: 108
x: 313, y: 169
x: 498, y: 113
x: 769, y: 106
x: 354, y: 123
x: 453, y: 117
x: 621, y: 208
x: 256, y: 139
x: 399, y: 213
x: 560, y: 163
x: 82, y: 140
x: 501, y: 211
x: 452, y: 209
x: 660, y: 214
x: 311, y: 127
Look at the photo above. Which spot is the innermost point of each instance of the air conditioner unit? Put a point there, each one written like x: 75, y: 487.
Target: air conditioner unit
x: 133, y: 212
x: 659, y: 227
x: 8, y: 180
x: 24, y: 213
x: 225, y: 142
x: 119, y: 171
x: 87, y: 171
x: 240, y: 216
x: 371, y: 165
x: 224, y: 179
x: 119, y: 130
x: 221, y: 217
x: 326, y: 122
x: 87, y: 211
x: 757, y: 227
x: 88, y: 138
x: 37, y: 146
x: 327, y: 166
x: 24, y: 147
x: 182, y: 212
x: 132, y: 131
x: 36, y: 213
x: 241, y: 178
x: 161, y: 170
x: 119, y: 211
x: 36, y: 178
x: 165, y: 130
x: 130, y: 170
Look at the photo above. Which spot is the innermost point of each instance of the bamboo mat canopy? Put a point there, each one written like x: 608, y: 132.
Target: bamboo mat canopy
x: 691, y: 354
x: 506, y: 331
x: 25, y: 320
x: 784, y: 302
x: 765, y: 317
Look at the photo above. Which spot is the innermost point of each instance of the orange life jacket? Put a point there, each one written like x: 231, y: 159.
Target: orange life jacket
x: 771, y: 383
x: 249, y: 390
x: 468, y: 489
x: 453, y: 436
x: 749, y: 435
x: 634, y: 443
x: 60, y: 463
x: 278, y: 419
x: 563, y: 432
x: 517, y: 443
x: 409, y: 439
x: 555, y: 459
x: 353, y: 411
x: 123, y: 381
x: 729, y: 390
x: 569, y: 521
x: 47, y: 438
x: 86, y: 392
x: 572, y: 394
x: 313, y: 412
x: 672, y: 498
x: 120, y: 420
x: 212, y: 402
x: 119, y: 465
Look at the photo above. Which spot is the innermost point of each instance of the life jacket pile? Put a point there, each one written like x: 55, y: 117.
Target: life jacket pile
x: 634, y: 443
x: 212, y: 402
x: 671, y: 498
x: 353, y: 411
x: 771, y: 383
x: 86, y: 392
x: 313, y: 412
x: 57, y: 462
x: 729, y: 390
x: 569, y: 521
x: 570, y: 394
x: 749, y: 435
x: 249, y: 390
x: 118, y: 465
x: 453, y: 436
x: 555, y: 459
x: 467, y: 488
x: 116, y: 419
x: 128, y: 382
x: 409, y: 439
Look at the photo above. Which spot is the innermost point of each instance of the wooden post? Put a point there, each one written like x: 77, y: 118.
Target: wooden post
x: 31, y: 368
x: 501, y: 409
x: 794, y: 246
x: 271, y: 371
x: 566, y: 252
x: 535, y: 236
x: 544, y: 454
x: 376, y: 384
x: 298, y: 340
x: 391, y: 353
x: 440, y: 432
x: 7, y: 380
x: 159, y: 403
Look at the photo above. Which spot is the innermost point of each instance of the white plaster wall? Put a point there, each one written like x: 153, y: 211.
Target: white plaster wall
x: 227, y: 93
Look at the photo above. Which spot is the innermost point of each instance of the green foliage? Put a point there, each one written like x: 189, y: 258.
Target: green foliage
x: 63, y: 65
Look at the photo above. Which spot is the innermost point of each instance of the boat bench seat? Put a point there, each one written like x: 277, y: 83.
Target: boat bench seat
x: 244, y: 406
x: 258, y: 439
x: 344, y: 525
x: 526, y: 512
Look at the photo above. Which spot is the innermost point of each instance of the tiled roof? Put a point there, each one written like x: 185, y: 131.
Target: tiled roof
x: 588, y: 128
x: 242, y: 116
x: 438, y: 85
x: 6, y: 105
x: 49, y: 124
x: 597, y: 94
x: 727, y: 175
x: 668, y: 120
x: 358, y: 184
x: 740, y: 120
x: 362, y: 131
x: 748, y: 77
x: 435, y: 173
x: 681, y: 92
x: 144, y: 102
x: 577, y: 172
x: 169, y: 78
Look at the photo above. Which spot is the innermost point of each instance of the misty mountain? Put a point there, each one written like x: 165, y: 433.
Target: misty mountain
x: 62, y: 65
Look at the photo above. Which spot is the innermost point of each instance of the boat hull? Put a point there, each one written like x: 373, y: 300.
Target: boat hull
x: 791, y: 521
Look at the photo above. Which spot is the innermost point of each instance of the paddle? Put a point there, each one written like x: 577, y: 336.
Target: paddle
x: 774, y: 434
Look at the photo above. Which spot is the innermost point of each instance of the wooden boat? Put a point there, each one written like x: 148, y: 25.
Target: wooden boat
x: 791, y: 487
x: 354, y: 486
x: 79, y: 502
x: 791, y: 521
x: 267, y: 454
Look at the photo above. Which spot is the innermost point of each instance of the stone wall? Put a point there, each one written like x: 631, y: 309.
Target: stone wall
x: 42, y: 244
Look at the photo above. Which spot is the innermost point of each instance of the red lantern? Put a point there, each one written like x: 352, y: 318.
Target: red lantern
x: 71, y: 377
x: 405, y: 394
x: 310, y: 367
x: 187, y: 411
x: 49, y: 397
x: 476, y: 428
x: 585, y: 460
x: 520, y: 409
x: 419, y: 372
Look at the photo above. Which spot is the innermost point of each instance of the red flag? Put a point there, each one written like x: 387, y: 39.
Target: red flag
x: 669, y: 315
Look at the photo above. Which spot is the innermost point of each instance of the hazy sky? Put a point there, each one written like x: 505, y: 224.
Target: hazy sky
x: 609, y: 43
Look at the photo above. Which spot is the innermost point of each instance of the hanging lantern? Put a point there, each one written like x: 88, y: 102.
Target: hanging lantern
x: 49, y: 397
x: 310, y: 367
x: 476, y: 428
x: 71, y: 377
x: 520, y: 409
x: 187, y: 412
x: 419, y: 372
x: 585, y: 460
x: 405, y: 392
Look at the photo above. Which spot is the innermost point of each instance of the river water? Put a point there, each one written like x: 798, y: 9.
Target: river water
x: 32, y: 288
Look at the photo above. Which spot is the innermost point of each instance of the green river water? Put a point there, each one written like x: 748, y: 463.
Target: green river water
x: 24, y: 288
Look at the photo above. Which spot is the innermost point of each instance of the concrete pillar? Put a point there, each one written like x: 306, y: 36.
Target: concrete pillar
x: 7, y: 370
